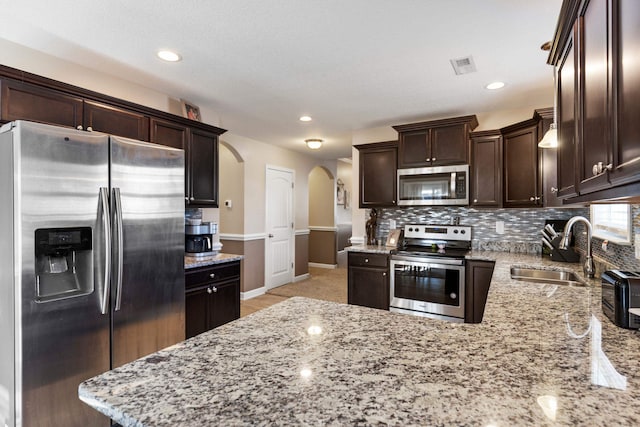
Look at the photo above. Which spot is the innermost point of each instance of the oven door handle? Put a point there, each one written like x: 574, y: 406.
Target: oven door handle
x: 413, y: 260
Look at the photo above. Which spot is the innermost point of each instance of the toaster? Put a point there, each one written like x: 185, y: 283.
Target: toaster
x: 620, y: 292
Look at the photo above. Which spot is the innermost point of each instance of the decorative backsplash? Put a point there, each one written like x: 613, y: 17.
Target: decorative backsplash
x: 521, y: 229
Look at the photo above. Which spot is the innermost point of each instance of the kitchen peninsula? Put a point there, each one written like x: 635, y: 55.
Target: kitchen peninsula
x: 543, y: 355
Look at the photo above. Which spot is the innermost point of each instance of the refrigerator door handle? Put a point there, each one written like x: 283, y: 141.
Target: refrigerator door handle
x: 106, y: 224
x: 119, y: 246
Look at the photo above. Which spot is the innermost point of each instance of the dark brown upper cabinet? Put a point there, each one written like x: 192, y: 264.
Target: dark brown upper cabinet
x: 522, y: 179
x: 203, y: 168
x: 201, y: 159
x: 377, y: 174
x: 566, y: 126
x: 598, y: 82
x: 435, y: 143
x: 115, y: 121
x: 625, y: 33
x: 593, y: 85
x: 24, y: 101
x: 25, y: 96
x: 486, y: 169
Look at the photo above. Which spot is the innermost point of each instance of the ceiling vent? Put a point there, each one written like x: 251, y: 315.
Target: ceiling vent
x: 464, y: 65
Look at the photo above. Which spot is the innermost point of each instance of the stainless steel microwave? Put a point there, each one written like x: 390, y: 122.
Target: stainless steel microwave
x: 435, y: 186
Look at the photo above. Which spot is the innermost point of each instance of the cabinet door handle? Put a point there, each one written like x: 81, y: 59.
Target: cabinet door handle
x: 212, y: 275
x: 366, y: 260
x: 89, y: 129
x: 384, y: 274
x: 79, y: 127
x: 215, y: 289
x: 209, y: 291
x: 600, y: 167
x: 554, y: 190
x: 192, y: 198
x: 433, y: 159
x: 186, y: 199
x: 475, y: 200
x: 534, y: 198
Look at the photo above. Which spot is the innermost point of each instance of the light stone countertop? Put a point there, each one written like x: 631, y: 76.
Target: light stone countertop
x: 193, y: 262
x: 538, y: 344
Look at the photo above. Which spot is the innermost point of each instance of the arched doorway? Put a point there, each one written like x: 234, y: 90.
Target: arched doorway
x: 322, y: 228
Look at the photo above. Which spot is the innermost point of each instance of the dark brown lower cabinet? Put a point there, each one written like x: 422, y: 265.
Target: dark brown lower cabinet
x: 212, y: 297
x: 368, y: 280
x: 478, y: 279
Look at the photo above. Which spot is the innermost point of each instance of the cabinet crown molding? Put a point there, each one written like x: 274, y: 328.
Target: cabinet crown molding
x: 471, y: 121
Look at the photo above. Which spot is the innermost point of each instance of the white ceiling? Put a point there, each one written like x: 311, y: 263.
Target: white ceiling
x: 350, y: 64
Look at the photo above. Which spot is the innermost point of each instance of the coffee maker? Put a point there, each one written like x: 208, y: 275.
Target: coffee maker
x: 198, y: 239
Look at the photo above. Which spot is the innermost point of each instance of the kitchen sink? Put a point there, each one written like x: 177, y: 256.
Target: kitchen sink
x: 546, y: 276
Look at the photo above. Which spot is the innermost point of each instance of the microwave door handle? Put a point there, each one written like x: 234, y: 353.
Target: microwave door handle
x: 452, y: 184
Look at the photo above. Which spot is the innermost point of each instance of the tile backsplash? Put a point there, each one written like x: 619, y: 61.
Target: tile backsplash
x: 521, y: 229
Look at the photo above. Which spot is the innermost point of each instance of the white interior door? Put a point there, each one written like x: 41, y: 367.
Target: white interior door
x: 279, y: 245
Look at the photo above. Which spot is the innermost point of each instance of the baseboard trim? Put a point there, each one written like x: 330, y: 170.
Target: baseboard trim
x: 301, y: 277
x: 329, y: 266
x: 253, y: 293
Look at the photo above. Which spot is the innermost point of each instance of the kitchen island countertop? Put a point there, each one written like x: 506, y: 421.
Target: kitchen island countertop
x: 543, y: 355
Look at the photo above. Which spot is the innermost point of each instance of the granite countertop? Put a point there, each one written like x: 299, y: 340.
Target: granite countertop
x: 539, y: 347
x: 193, y: 262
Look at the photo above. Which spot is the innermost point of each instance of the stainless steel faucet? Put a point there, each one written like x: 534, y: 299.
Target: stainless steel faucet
x: 589, y: 268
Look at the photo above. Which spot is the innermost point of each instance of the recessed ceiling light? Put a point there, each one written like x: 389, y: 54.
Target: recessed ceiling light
x: 495, y: 85
x: 169, y: 56
x: 305, y: 118
x: 313, y: 143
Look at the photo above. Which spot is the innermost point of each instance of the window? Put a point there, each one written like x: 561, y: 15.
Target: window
x: 612, y: 222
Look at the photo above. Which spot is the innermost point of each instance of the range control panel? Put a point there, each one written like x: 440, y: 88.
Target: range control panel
x: 437, y: 232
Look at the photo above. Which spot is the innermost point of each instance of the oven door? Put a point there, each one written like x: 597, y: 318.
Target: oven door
x: 428, y: 286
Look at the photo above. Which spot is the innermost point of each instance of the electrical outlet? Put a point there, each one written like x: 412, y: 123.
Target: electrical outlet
x: 228, y: 203
x: 500, y: 227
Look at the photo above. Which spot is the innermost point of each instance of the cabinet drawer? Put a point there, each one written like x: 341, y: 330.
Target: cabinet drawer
x: 212, y: 274
x: 368, y: 259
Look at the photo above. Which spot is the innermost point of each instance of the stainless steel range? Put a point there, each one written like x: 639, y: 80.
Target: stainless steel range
x: 428, y: 271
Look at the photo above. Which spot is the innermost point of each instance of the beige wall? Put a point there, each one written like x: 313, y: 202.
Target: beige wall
x: 231, y: 188
x: 257, y: 156
x: 343, y: 214
x: 322, y: 198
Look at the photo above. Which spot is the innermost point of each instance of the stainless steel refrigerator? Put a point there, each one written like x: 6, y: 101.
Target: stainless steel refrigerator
x: 91, y: 264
